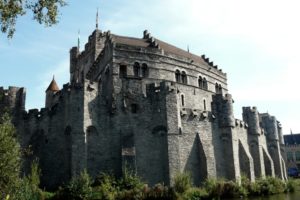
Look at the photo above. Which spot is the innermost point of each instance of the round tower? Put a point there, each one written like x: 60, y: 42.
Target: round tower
x: 50, y: 93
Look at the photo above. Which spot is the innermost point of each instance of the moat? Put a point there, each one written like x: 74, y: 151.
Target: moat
x: 284, y: 196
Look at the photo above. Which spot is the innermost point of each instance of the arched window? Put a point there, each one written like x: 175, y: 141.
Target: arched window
x: 136, y: 69
x: 200, y: 83
x: 220, y: 89
x: 217, y: 88
x: 177, y: 76
x: 183, y: 77
x: 204, y: 104
x: 182, y: 100
x: 144, y: 70
x: 205, y: 84
x: 123, y: 71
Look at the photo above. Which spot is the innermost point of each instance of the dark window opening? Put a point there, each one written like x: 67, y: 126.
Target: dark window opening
x: 204, y: 104
x: 200, y: 83
x: 205, y: 84
x: 177, y: 76
x: 183, y: 77
x: 134, y: 108
x: 136, y: 69
x: 218, y: 88
x: 182, y: 100
x: 123, y: 71
x: 144, y: 70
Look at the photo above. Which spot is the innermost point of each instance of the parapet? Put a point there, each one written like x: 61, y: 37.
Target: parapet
x: 164, y: 86
x: 223, y: 108
x: 13, y: 98
x: 251, y: 116
x: 269, y: 123
x: 151, y: 40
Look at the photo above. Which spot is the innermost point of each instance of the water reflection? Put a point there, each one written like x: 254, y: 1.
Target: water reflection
x: 289, y: 196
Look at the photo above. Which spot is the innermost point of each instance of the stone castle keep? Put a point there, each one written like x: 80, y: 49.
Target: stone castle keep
x: 147, y: 105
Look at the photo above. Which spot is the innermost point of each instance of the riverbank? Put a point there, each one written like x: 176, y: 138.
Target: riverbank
x: 131, y: 187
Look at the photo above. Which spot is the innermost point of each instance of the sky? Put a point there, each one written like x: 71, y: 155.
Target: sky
x: 255, y: 42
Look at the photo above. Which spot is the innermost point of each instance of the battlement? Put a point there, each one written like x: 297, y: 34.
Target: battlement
x: 12, y: 99
x: 250, y: 109
x: 150, y: 39
x: 164, y: 86
x: 241, y: 124
x: 270, y: 124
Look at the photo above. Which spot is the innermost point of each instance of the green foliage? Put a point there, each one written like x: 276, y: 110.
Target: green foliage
x: 79, y: 188
x: 182, y: 182
x: 44, y: 12
x: 267, y: 186
x: 9, y: 156
x: 195, y: 194
x: 291, y: 185
x: 28, y: 187
x: 130, y: 186
x: 159, y: 191
x: 105, y: 187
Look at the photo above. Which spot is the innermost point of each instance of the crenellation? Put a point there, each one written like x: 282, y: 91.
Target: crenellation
x: 128, y: 97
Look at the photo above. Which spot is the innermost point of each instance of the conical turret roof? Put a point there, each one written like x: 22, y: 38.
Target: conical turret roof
x: 53, y: 86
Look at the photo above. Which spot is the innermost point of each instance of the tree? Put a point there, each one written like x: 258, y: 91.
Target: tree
x: 44, y: 12
x: 9, y: 156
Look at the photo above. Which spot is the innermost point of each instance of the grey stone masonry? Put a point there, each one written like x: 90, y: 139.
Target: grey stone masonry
x: 150, y: 107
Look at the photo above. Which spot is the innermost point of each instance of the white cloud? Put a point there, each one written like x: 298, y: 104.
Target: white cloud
x: 255, y: 42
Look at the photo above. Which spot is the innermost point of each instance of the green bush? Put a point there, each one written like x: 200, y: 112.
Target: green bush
x: 195, y: 194
x: 157, y: 192
x: 79, y: 188
x: 214, y: 187
x: 182, y: 182
x: 290, y: 185
x: 105, y: 187
x: 9, y: 156
x: 28, y: 186
x: 267, y: 186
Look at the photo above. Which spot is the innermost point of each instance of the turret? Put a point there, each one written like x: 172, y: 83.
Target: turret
x: 74, y: 52
x: 12, y: 100
x: 50, y: 93
x: 270, y: 125
x: 280, y: 135
x: 251, y: 117
x: 223, y: 108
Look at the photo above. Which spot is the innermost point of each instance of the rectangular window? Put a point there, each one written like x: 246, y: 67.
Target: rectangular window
x: 297, y: 154
x: 123, y: 71
x: 289, y: 156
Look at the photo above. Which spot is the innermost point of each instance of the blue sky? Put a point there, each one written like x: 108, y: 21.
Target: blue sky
x: 255, y: 42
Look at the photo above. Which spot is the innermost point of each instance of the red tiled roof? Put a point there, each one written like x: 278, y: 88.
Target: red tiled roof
x: 168, y: 48
x: 53, y: 86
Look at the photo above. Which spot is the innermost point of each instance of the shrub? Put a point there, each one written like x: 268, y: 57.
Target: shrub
x: 159, y: 191
x: 290, y: 185
x: 130, y: 181
x: 267, y: 186
x: 105, y: 187
x: 79, y: 188
x: 195, y: 194
x: 28, y: 186
x: 182, y: 182
x: 214, y: 187
x: 130, y: 186
x: 9, y: 156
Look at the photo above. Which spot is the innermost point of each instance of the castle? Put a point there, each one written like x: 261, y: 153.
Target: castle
x: 144, y: 104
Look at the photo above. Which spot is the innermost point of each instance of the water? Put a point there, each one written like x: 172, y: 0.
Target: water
x: 289, y: 196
